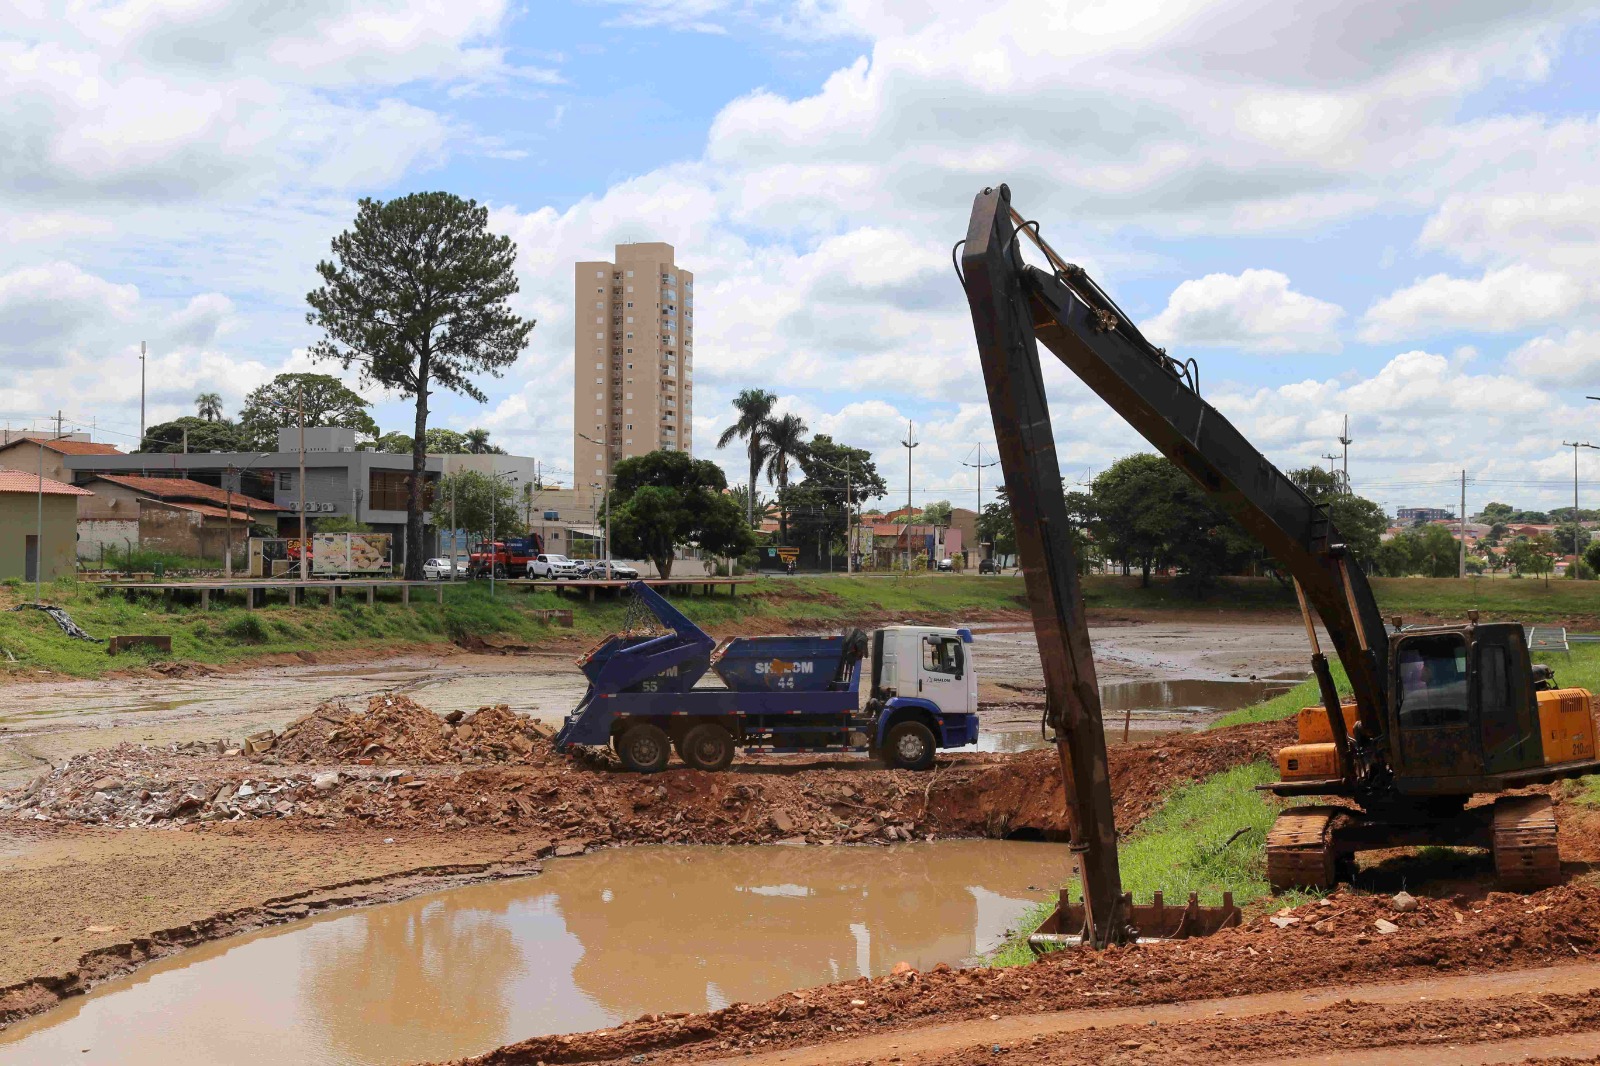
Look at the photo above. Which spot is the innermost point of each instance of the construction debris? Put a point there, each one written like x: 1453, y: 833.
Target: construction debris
x: 397, y: 729
x: 62, y: 619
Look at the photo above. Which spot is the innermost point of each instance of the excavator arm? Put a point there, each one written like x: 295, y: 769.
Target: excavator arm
x: 1014, y: 307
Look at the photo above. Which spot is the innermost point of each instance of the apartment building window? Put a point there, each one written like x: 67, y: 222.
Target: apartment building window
x: 630, y: 303
x: 600, y: 274
x: 630, y: 428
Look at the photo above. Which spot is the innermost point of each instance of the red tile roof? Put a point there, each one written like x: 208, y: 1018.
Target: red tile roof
x: 202, y: 509
x: 69, y: 447
x: 22, y: 481
x: 182, y: 488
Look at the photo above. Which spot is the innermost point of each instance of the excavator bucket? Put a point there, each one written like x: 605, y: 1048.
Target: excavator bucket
x: 1066, y: 924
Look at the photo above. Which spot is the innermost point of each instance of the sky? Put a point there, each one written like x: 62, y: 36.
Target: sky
x: 1384, y: 210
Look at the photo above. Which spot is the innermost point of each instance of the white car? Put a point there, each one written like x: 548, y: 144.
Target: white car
x: 552, y: 566
x: 619, y: 572
x: 437, y: 569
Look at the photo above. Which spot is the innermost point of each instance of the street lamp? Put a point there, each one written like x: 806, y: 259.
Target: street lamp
x: 227, y: 557
x: 494, y: 504
x: 609, y: 476
x: 1576, y: 527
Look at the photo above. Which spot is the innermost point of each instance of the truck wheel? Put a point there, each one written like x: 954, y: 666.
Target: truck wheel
x: 644, y: 749
x: 707, y: 746
x: 910, y: 746
x: 500, y: 571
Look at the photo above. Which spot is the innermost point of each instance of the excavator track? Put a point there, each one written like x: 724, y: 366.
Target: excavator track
x: 1300, y: 848
x: 1526, y: 852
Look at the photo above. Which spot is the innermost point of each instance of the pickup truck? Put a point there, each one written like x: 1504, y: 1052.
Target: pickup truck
x: 552, y: 566
x: 782, y: 694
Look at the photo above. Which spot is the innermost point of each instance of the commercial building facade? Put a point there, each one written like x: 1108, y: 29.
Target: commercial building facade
x: 633, y: 359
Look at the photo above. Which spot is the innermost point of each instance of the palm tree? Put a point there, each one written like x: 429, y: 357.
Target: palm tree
x: 786, y: 442
x: 754, y: 407
x: 477, y: 441
x: 209, y: 406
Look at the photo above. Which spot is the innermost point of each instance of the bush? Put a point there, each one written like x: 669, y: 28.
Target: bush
x: 246, y: 629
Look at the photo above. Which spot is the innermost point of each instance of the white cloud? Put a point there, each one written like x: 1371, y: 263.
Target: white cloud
x: 1254, y: 310
x: 1571, y: 359
x: 1510, y: 298
x: 45, y: 311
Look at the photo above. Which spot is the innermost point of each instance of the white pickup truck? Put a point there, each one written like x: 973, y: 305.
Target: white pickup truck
x: 552, y: 566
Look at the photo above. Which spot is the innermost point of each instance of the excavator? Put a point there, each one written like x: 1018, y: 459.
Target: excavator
x: 1437, y: 714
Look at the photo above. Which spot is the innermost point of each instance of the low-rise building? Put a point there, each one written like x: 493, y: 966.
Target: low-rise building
x: 39, y: 454
x: 38, y: 526
x: 171, y: 514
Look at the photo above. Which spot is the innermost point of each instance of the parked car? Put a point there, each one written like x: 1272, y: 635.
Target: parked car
x: 988, y: 566
x: 946, y: 565
x: 552, y: 566
x: 619, y: 571
x: 438, y: 569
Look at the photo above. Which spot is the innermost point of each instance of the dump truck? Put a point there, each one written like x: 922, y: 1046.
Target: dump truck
x: 649, y: 693
x: 1437, y: 714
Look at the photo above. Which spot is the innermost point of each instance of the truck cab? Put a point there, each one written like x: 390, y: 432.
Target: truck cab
x: 923, y: 675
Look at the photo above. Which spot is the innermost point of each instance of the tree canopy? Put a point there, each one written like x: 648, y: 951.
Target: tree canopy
x: 819, y: 504
x: 476, y: 500
x: 204, y: 436
x: 666, y: 499
x: 327, y: 401
x: 1359, y: 520
x: 418, y: 294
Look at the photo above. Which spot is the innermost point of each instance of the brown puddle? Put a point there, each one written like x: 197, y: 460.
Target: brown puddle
x: 1153, y: 708
x: 592, y: 941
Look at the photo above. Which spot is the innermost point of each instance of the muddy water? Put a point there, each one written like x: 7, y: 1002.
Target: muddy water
x: 1148, y: 708
x: 592, y: 941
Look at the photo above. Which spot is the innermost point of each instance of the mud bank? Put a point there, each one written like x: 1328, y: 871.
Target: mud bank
x: 1333, y: 943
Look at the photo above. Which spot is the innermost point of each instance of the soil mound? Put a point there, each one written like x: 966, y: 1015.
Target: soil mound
x: 398, y: 730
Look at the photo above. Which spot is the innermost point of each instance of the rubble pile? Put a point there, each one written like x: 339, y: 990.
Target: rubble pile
x: 396, y: 730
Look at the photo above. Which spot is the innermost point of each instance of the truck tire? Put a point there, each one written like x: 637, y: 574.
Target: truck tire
x: 644, y: 749
x: 910, y: 746
x: 707, y: 746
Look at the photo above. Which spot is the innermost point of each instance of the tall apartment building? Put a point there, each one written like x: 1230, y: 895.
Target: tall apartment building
x: 633, y: 350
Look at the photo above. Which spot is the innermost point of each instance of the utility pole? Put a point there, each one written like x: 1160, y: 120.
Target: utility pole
x: 910, y: 444
x: 1461, y: 555
x: 455, y: 533
x: 141, y: 396
x: 1575, y: 445
x: 849, y: 521
x: 1331, y: 468
x: 305, y: 545
x: 979, y: 465
x: 1345, y: 439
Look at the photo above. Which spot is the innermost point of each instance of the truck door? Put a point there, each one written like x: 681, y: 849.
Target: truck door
x: 942, y: 678
x: 1433, y: 707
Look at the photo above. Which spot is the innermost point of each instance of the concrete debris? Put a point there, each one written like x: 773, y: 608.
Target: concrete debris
x: 1384, y: 926
x: 1404, y: 903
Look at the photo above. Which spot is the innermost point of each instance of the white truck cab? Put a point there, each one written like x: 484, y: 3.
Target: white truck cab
x: 926, y: 662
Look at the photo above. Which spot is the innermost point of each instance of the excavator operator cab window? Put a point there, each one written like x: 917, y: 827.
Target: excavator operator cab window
x: 1433, y: 682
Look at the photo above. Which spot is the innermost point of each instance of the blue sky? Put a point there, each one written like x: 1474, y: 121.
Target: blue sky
x: 1389, y: 211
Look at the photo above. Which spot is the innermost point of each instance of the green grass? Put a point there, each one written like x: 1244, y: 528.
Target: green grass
x: 1207, y: 837
x: 232, y: 633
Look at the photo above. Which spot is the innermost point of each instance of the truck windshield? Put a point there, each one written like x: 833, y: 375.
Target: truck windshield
x: 1433, y: 682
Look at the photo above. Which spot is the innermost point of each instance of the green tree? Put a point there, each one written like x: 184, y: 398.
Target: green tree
x: 1399, y: 556
x: 395, y: 443
x: 1147, y: 512
x: 837, y: 479
x: 477, y: 500
x: 996, y: 527
x: 755, y: 408
x: 445, y: 442
x: 203, y: 436
x: 1438, y: 553
x: 1496, y: 513
x: 1591, y: 555
x: 934, y: 514
x: 418, y: 294
x: 666, y: 499
x: 478, y: 443
x: 208, y: 405
x: 786, y: 443
x: 276, y: 405
x: 1541, y: 556
x: 762, y: 507
x: 1563, y: 537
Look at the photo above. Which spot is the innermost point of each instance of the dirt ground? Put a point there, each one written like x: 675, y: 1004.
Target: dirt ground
x: 182, y: 810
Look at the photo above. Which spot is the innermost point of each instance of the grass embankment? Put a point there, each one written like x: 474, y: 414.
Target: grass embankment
x: 231, y: 633
x: 1416, y: 599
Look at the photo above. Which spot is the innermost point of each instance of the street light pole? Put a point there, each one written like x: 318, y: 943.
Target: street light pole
x: 606, y: 488
x: 979, y: 465
x: 227, y: 555
x: 305, y: 546
x: 910, y: 444
x: 1575, y: 445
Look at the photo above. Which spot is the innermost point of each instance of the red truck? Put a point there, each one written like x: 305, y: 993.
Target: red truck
x: 509, y: 557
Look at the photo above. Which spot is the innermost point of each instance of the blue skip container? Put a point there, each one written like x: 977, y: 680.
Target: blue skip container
x: 779, y: 664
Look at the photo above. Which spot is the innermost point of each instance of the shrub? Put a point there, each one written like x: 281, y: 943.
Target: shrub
x: 246, y: 629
